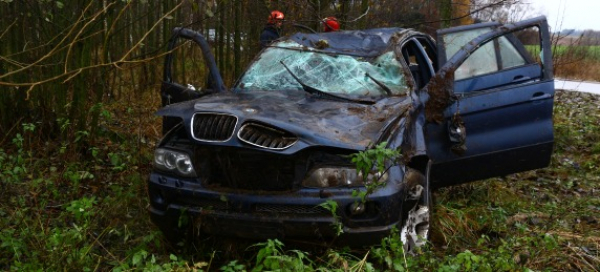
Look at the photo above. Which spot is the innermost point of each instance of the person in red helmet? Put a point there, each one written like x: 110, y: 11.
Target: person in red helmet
x: 272, y: 30
x: 330, y: 24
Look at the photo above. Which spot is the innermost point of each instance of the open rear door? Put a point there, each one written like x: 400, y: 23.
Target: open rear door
x: 189, y: 71
x: 489, y: 111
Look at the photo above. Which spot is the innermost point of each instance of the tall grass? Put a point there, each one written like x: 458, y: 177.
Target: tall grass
x: 577, y: 62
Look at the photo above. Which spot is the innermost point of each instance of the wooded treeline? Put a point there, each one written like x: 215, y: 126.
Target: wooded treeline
x: 62, y: 61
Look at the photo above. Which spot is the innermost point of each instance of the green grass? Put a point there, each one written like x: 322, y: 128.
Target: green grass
x: 89, y: 213
x: 591, y: 52
x: 573, y: 62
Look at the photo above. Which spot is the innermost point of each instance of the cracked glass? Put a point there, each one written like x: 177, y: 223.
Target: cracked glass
x: 335, y: 74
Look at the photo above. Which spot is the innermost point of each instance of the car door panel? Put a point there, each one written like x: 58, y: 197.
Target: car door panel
x: 487, y: 113
x: 507, y: 131
x: 507, y: 116
x: 509, y: 76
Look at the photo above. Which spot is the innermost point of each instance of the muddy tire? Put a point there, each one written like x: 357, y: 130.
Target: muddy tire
x: 414, y: 232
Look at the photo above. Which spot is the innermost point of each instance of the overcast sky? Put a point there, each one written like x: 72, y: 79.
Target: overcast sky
x: 568, y: 14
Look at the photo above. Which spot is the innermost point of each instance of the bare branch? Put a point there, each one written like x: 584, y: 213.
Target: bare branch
x: 359, y: 17
x: 150, y: 30
x: 98, y: 13
x: 73, y: 73
x: 112, y: 27
x: 8, y: 28
x: 53, y: 50
x: 459, y: 17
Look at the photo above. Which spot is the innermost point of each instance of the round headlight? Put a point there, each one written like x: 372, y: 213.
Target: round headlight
x: 170, y: 160
x: 184, y: 165
x: 159, y: 156
x: 174, y: 161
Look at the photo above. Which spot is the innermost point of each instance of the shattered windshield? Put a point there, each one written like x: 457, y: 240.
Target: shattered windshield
x: 335, y: 74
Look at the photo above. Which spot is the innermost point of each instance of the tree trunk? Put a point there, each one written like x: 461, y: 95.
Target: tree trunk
x: 445, y: 9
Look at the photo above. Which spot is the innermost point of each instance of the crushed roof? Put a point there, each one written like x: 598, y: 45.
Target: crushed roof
x: 365, y: 43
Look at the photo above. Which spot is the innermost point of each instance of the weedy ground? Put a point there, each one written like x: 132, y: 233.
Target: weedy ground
x: 80, y: 204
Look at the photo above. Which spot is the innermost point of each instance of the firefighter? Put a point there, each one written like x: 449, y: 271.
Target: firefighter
x: 272, y: 30
x: 330, y: 24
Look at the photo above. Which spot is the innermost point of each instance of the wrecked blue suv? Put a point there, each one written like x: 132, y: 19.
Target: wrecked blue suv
x: 258, y: 160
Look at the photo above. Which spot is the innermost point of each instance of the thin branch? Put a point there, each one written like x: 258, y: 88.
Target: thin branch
x: 82, y: 29
x: 77, y: 72
x: 16, y: 63
x: 55, y: 37
x: 73, y: 73
x: 582, y: 258
x: 359, y: 17
x: 9, y: 131
x: 13, y: 62
x: 8, y: 28
x: 51, y: 51
x: 150, y: 30
x: 112, y: 27
x: 457, y: 18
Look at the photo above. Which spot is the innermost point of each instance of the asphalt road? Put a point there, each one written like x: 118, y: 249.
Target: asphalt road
x: 581, y: 86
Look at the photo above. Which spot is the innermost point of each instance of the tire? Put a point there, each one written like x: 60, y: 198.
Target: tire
x: 417, y: 209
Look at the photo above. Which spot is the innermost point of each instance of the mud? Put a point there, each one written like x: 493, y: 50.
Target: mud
x: 440, y: 96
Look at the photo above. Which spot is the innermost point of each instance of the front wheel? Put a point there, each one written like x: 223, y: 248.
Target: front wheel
x: 415, y: 228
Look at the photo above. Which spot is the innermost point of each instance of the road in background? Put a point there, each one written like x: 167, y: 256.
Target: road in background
x: 581, y: 86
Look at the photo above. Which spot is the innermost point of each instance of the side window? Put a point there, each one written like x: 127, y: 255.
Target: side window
x: 188, y: 67
x: 482, y: 61
x: 418, y: 61
x: 430, y: 51
x: 491, y: 57
x: 509, y: 54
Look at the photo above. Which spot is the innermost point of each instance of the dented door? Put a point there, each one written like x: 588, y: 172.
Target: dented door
x: 489, y: 111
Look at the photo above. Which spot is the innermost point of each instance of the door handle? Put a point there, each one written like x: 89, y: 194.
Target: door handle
x: 520, y: 78
x: 540, y: 96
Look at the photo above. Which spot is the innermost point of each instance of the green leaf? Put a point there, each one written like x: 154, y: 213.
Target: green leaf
x: 137, y: 259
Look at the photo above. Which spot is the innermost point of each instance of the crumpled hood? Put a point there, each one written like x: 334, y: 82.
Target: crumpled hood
x: 316, y: 121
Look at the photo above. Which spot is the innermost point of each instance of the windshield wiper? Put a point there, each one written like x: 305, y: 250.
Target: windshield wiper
x: 316, y: 92
x: 380, y: 84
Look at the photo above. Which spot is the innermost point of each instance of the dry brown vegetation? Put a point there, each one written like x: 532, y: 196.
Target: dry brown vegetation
x: 579, y: 69
x: 577, y: 57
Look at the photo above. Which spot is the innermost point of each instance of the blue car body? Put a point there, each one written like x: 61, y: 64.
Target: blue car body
x: 253, y: 157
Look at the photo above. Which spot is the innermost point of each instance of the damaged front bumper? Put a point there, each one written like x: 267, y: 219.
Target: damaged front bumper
x: 178, y: 205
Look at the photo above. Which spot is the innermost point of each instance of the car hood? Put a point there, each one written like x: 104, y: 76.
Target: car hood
x: 315, y: 121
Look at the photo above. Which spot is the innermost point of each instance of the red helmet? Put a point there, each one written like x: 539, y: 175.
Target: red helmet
x: 330, y: 24
x: 275, y: 16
